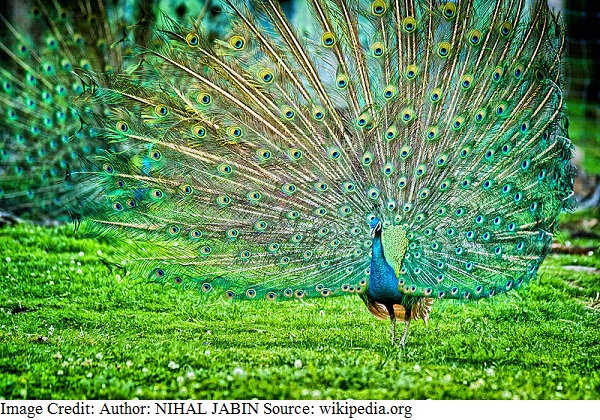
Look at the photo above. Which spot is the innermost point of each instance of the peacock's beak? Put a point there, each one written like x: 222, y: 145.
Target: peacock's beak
x: 372, y: 232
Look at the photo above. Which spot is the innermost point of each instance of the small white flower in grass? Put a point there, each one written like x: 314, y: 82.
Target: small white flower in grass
x: 207, y: 353
x: 190, y: 375
x: 79, y: 271
x: 316, y: 394
x: 58, y: 355
x: 81, y: 253
x: 238, y: 371
x: 489, y: 372
x: 8, y: 259
x: 173, y: 365
x: 99, y: 356
x: 128, y: 363
x: 99, y: 252
x: 89, y: 375
x: 298, y: 364
x: 417, y: 368
x: 60, y: 372
x: 139, y: 392
x: 145, y: 370
x: 180, y: 379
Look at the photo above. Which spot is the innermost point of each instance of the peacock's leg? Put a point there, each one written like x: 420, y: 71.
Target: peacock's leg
x: 390, y: 310
x: 406, y: 324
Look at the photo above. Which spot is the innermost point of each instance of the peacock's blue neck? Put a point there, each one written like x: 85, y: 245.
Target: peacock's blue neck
x: 383, y: 284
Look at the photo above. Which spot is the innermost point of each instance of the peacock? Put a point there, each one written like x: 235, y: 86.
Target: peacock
x: 403, y: 151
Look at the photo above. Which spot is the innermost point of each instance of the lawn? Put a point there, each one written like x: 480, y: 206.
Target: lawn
x: 73, y: 325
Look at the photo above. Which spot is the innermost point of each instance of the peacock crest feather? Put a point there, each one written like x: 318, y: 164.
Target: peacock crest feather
x: 401, y: 151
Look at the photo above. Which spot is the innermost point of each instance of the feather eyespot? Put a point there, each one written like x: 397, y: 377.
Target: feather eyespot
x: 441, y: 160
x: 122, y: 126
x: 518, y: 71
x: 288, y: 113
x: 402, y: 182
x: 263, y: 154
x: 506, y: 28
x: 159, y: 273
x: 289, y: 189
x: 131, y: 203
x: 377, y: 49
x: 204, y: 98
x: 295, y: 154
x: 229, y: 294
x: 409, y: 24
x: 199, y: 131
x: 117, y: 206
x: 254, y: 196
x: 155, y: 155
x: 367, y: 158
x: 225, y: 169
x: 186, y: 189
x: 334, y: 153
x: 174, y: 230
x: 108, y: 168
x: 192, y: 39
x: 161, y: 110
x: 156, y: 194
x: 411, y: 72
x: 391, y: 133
x: 250, y: 293
x: 436, y: 95
x: 378, y: 7
x: 260, y: 226
x: 318, y: 114
x: 443, y: 49
x: 237, y: 42
x: 407, y: 115
x: 271, y: 296
x: 389, y: 92
x: 266, y: 76
x: 431, y: 134
x: 466, y: 82
x: 457, y: 123
x: 328, y: 39
x: 341, y: 81
x: 475, y: 37
x: 449, y: 10
x: 235, y: 132
x: 223, y: 200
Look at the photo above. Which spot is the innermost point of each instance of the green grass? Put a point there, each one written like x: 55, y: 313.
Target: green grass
x: 585, y: 135
x: 74, y: 327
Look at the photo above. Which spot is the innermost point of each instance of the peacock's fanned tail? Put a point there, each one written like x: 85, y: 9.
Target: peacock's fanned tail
x: 42, y: 135
x: 251, y: 166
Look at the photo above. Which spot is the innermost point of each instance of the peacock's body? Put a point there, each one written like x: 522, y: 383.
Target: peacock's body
x: 403, y: 151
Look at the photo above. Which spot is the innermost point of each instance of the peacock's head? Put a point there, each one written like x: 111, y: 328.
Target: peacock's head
x: 375, y: 226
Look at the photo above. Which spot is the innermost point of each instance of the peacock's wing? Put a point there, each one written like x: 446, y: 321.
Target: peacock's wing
x: 252, y: 166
